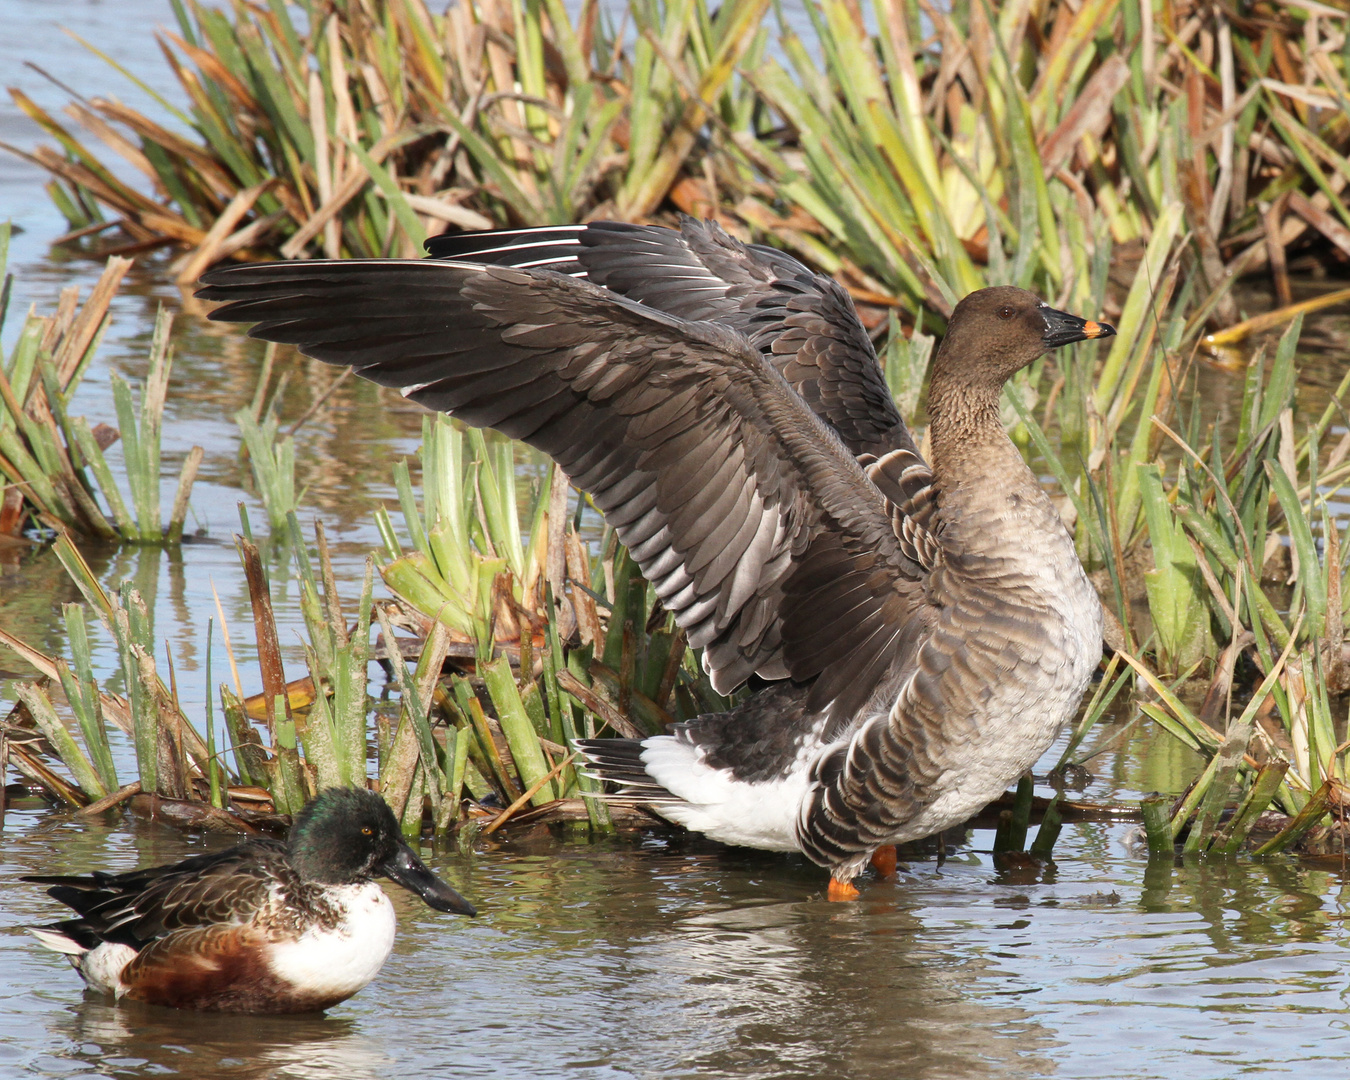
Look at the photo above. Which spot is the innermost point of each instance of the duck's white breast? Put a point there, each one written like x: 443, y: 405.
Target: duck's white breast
x: 339, y: 961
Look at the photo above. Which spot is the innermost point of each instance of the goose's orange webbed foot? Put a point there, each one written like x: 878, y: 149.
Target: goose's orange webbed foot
x: 884, y: 861
x: 842, y: 890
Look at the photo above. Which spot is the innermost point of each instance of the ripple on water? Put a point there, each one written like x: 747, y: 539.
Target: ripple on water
x: 661, y: 955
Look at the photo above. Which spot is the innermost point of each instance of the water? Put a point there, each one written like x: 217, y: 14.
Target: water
x: 651, y: 954
x: 658, y: 955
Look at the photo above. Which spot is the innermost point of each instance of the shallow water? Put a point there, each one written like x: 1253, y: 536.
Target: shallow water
x: 649, y: 954
x: 654, y: 954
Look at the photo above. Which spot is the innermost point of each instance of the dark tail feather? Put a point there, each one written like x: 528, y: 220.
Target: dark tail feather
x: 619, y: 762
x: 96, y: 880
x: 82, y: 893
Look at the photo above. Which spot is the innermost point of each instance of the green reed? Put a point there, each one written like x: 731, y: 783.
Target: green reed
x: 1001, y: 149
x: 916, y: 163
x: 54, y: 464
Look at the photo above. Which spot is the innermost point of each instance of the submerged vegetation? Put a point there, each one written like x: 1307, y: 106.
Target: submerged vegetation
x: 1113, y: 155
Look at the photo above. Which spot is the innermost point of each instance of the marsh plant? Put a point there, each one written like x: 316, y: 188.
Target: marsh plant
x: 505, y: 675
x: 917, y: 152
x: 1116, y: 156
x: 530, y: 628
x: 53, y: 465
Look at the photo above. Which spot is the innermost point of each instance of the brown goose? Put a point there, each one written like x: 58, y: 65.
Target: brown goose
x: 925, y: 633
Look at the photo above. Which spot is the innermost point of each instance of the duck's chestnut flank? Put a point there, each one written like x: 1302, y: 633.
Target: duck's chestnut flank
x: 925, y: 628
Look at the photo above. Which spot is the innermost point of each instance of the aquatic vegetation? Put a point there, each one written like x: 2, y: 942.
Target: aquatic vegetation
x: 917, y: 162
x: 1111, y: 155
x: 358, y: 129
x: 171, y: 756
x: 578, y: 624
x: 1248, y: 561
x: 52, y: 463
x: 1011, y: 145
x: 529, y: 633
x: 271, y: 458
x: 486, y: 719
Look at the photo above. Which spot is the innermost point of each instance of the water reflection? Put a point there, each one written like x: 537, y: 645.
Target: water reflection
x: 708, y: 962
x: 661, y: 955
x: 803, y: 990
x: 1241, y: 902
x: 145, y: 1039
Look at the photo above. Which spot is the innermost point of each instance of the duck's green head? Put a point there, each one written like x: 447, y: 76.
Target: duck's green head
x: 349, y: 835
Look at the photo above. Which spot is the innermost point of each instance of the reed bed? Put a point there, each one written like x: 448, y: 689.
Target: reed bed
x: 1115, y: 156
x: 493, y: 682
x: 1218, y: 552
x: 946, y: 150
x: 1013, y: 145
x: 522, y: 625
x: 482, y: 721
x: 360, y: 127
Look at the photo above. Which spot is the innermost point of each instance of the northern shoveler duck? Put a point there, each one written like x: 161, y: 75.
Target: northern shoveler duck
x: 265, y: 927
x: 925, y: 629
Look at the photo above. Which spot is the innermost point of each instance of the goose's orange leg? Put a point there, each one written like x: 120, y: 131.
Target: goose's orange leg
x: 842, y: 890
x: 884, y: 860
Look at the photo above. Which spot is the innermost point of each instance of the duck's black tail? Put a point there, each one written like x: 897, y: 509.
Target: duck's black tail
x: 619, y: 762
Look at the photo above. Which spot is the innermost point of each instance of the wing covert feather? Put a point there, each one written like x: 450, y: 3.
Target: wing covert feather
x: 141, y: 906
x: 803, y: 322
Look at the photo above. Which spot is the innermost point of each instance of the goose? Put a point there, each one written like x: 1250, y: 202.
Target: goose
x: 924, y: 628
x: 803, y: 323
x: 264, y: 927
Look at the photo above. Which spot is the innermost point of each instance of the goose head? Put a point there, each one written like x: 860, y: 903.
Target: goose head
x: 994, y: 333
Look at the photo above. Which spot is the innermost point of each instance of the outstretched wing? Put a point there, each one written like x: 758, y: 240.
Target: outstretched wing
x: 803, y: 322
x: 757, y: 527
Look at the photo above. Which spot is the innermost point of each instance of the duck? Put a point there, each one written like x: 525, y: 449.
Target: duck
x: 915, y: 631
x: 264, y: 927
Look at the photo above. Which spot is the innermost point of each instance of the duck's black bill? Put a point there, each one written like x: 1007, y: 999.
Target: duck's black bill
x: 1061, y: 328
x: 412, y: 873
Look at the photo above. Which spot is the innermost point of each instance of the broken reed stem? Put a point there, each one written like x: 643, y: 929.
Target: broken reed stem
x: 116, y: 798
x: 1158, y: 824
x: 598, y: 705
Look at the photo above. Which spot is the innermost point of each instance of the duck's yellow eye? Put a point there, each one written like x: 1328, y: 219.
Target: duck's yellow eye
x: 1006, y: 313
x: 367, y: 831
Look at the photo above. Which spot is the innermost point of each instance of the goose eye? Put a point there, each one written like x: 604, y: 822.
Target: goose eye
x: 1006, y: 313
